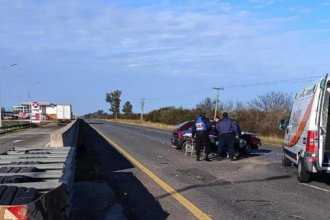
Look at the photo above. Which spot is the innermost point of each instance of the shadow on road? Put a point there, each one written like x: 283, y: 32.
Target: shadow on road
x: 224, y: 182
x: 138, y: 203
x: 322, y: 178
x: 95, y: 123
x: 259, y: 152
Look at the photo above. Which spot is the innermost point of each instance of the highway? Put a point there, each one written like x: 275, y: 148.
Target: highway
x: 35, y: 137
x: 159, y: 182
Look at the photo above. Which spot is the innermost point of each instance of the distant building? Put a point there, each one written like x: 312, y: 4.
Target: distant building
x: 48, y: 110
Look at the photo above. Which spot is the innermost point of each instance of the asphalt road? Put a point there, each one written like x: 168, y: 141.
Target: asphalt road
x: 30, y: 137
x: 257, y: 187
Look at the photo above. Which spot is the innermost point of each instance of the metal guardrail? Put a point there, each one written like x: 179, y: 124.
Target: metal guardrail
x: 11, y: 128
x: 37, y: 183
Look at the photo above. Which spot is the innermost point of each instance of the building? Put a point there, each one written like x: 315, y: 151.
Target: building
x: 23, y: 110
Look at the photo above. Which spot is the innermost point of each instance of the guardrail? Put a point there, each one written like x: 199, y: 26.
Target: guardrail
x: 37, y: 183
x: 11, y: 128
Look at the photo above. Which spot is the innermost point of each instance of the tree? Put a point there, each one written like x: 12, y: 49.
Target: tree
x: 97, y: 114
x: 206, y: 106
x: 272, y: 101
x: 114, y: 100
x: 127, y: 108
x: 269, y: 110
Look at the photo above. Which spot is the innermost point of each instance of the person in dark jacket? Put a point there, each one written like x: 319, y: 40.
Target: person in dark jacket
x: 213, y: 136
x: 200, y: 131
x: 228, y: 134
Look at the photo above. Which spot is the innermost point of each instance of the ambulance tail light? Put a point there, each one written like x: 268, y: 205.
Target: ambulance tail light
x: 312, y: 142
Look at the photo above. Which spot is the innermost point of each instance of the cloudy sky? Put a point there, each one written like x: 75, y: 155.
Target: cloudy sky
x: 171, y: 53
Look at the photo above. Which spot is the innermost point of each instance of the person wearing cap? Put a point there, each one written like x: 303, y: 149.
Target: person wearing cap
x: 228, y: 134
x: 200, y: 131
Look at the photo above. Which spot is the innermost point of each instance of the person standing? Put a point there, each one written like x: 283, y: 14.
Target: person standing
x: 228, y: 134
x: 200, y: 131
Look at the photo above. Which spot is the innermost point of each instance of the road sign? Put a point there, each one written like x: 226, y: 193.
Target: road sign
x: 36, y: 105
x: 35, y: 112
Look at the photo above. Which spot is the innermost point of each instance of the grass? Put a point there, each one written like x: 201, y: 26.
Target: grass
x: 264, y: 139
x: 144, y: 124
x: 271, y: 140
x: 13, y: 122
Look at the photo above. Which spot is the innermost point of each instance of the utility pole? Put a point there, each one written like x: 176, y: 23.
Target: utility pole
x: 2, y: 70
x: 217, y: 100
x: 142, y: 107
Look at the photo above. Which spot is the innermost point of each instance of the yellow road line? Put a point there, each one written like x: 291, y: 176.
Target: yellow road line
x: 170, y: 190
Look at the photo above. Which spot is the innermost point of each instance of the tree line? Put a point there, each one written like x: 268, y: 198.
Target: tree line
x: 261, y: 115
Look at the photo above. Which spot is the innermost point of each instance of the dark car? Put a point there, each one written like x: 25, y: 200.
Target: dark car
x: 251, y: 140
x: 178, y: 138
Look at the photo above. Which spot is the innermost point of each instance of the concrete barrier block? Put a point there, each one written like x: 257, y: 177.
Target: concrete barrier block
x: 66, y: 136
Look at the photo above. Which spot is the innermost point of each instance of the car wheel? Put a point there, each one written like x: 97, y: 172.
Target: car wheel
x: 285, y: 161
x: 303, y: 175
x: 248, y: 149
x: 256, y: 146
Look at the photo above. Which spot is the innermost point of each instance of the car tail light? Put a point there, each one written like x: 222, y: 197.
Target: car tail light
x: 255, y: 140
x: 180, y: 136
x: 312, y: 141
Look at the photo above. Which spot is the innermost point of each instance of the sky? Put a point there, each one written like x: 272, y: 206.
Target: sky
x: 169, y: 53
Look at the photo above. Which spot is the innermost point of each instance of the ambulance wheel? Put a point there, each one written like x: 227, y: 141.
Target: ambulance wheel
x: 303, y: 175
x: 285, y: 161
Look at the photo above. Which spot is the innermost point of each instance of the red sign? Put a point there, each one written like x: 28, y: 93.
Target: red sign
x: 35, y: 112
x: 35, y: 104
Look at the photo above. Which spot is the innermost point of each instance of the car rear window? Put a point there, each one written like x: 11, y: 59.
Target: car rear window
x: 180, y: 125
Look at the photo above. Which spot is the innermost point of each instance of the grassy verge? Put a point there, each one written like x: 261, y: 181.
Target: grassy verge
x: 144, y: 124
x: 271, y: 140
x: 12, y: 122
x: 264, y: 139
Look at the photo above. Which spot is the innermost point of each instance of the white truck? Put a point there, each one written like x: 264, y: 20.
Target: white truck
x: 64, y: 113
x: 307, y: 142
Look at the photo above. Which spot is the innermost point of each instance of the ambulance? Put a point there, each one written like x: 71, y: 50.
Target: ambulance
x: 307, y: 134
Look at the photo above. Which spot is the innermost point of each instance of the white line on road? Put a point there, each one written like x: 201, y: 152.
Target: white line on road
x: 315, y: 187
x: 47, y: 145
x: 16, y: 141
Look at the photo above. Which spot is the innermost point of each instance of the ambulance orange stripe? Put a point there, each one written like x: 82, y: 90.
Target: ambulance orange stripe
x: 301, y: 125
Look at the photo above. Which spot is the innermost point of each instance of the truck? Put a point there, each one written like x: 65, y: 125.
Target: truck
x: 307, y: 142
x: 64, y: 113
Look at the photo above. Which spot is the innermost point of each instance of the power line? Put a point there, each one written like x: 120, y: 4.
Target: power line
x: 289, y: 81
x: 265, y: 83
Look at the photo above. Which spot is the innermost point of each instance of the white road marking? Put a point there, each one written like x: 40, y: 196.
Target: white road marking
x: 315, y: 187
x: 47, y: 145
x: 16, y: 141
